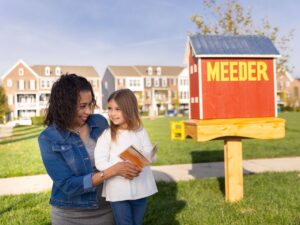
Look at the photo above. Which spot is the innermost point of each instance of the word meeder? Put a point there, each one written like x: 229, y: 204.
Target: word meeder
x: 237, y: 71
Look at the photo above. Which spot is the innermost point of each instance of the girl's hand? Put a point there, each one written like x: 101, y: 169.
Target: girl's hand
x: 127, y: 170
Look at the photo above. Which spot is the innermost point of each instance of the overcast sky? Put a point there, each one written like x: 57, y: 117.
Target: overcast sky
x: 117, y: 32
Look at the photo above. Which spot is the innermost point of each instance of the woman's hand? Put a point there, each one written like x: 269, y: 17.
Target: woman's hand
x: 127, y: 170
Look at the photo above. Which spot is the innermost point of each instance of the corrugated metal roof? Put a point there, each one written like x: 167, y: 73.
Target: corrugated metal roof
x: 233, y: 45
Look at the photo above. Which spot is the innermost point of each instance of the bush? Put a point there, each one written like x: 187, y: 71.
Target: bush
x: 287, y: 108
x: 37, y: 120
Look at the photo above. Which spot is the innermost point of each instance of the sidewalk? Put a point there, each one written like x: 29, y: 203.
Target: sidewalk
x: 39, y: 183
x: 5, y: 130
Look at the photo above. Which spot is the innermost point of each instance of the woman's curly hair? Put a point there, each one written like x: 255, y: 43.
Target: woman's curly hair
x: 62, y: 105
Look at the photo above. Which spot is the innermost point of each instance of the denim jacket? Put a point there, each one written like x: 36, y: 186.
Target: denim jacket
x: 69, y: 166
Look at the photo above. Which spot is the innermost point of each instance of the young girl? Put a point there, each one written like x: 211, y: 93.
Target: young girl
x: 127, y: 197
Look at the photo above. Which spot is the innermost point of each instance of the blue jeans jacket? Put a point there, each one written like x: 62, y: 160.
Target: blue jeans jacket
x: 69, y: 166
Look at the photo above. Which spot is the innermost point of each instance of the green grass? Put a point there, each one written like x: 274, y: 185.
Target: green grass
x: 269, y: 199
x: 187, y: 151
x: 19, y: 154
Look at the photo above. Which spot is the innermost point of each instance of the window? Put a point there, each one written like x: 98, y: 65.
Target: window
x: 105, y: 85
x: 164, y: 82
x: 94, y: 83
x: 148, y: 82
x: 174, y: 81
x: 21, y: 71
x: 57, y: 71
x: 9, y: 83
x: 10, y: 99
x: 134, y: 83
x: 32, y: 84
x: 43, y: 84
x: 149, y: 70
x: 156, y: 82
x: 21, y: 84
x: 158, y: 71
x: 47, y: 71
x: 120, y: 81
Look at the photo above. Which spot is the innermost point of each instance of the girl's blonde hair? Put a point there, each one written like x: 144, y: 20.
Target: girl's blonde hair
x: 128, y: 104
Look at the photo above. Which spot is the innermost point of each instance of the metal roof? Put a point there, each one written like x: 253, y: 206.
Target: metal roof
x: 238, y: 45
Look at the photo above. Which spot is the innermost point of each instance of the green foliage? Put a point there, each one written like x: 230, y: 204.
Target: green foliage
x: 232, y: 18
x: 4, y: 109
x: 269, y: 198
x: 37, y: 120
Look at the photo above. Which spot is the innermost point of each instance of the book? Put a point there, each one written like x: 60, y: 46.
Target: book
x: 137, y: 157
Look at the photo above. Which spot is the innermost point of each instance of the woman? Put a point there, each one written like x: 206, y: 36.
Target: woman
x: 67, y: 148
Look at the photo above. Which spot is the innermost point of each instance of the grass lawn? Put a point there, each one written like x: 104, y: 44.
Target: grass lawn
x: 269, y: 199
x: 19, y: 154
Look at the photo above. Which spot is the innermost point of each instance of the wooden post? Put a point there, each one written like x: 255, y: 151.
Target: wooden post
x: 232, y: 131
x: 233, y: 167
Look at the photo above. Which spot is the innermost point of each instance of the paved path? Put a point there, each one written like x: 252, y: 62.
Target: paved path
x: 39, y: 183
x: 5, y: 131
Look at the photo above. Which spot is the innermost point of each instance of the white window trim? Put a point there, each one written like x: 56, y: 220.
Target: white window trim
x: 57, y: 71
x: 148, y: 81
x: 156, y: 82
x: 21, y: 87
x: 32, y: 84
x: 158, y: 70
x: 47, y: 71
x: 9, y: 83
x: 150, y: 70
x: 21, y: 71
x: 10, y: 99
x: 164, y: 82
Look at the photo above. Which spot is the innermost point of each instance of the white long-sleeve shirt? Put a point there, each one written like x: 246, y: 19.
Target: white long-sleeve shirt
x: 107, y: 154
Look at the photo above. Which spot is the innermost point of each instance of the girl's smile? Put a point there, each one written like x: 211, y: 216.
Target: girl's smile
x: 115, y: 114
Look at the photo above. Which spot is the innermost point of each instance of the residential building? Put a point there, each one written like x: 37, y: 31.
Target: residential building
x: 28, y: 87
x: 156, y: 87
x: 184, y: 90
x: 288, y: 90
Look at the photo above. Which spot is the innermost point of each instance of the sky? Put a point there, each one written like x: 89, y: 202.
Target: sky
x: 100, y: 33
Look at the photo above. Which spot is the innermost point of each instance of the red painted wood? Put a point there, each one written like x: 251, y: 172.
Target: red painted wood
x: 194, y: 87
x: 235, y: 99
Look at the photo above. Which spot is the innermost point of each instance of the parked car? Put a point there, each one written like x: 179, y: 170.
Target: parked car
x: 171, y: 112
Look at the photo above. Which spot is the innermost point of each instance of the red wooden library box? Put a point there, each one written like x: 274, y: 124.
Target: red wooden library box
x: 231, y: 76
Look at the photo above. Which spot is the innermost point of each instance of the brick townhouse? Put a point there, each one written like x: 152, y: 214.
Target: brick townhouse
x: 28, y: 87
x: 156, y: 87
x: 288, y: 90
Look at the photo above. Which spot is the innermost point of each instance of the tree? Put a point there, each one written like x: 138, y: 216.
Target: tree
x: 4, y: 109
x: 232, y: 18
